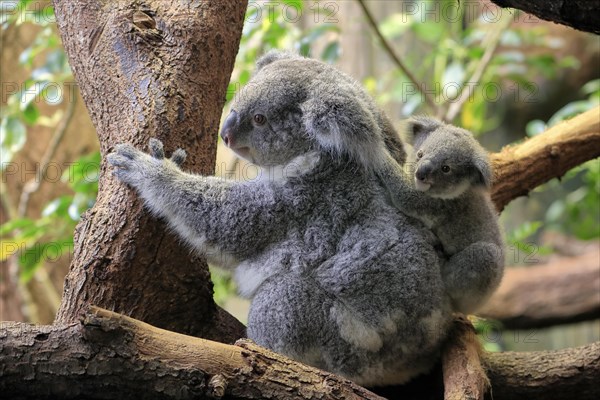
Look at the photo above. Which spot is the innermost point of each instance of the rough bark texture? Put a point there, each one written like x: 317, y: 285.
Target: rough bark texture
x: 520, y: 168
x: 561, y: 374
x: 464, y: 377
x: 111, y: 356
x: 565, y: 291
x: 151, y: 69
x: 580, y: 14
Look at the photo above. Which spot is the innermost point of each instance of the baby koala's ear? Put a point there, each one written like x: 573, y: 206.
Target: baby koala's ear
x: 483, y: 172
x: 419, y: 127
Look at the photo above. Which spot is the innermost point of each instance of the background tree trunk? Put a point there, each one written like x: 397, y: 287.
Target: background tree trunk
x: 154, y: 70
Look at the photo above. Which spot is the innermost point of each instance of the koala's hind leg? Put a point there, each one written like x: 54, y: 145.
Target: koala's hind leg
x: 290, y: 315
x: 472, y: 275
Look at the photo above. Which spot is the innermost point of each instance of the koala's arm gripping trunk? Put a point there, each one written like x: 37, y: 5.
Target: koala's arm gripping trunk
x: 214, y: 214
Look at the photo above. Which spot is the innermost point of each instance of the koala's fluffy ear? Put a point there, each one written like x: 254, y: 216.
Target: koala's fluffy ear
x: 344, y: 124
x: 483, y: 171
x: 275, y: 55
x: 419, y: 127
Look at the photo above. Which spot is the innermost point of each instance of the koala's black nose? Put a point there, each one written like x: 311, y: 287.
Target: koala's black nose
x: 423, y: 171
x: 227, y: 129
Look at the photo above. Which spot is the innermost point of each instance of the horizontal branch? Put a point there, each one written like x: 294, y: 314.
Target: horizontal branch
x: 520, y: 168
x: 565, y: 291
x: 559, y: 374
x: 110, y: 355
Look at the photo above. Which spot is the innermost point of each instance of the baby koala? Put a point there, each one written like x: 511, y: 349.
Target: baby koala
x: 447, y: 188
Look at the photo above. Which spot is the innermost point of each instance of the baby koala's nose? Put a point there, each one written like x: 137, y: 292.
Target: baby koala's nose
x: 423, y: 171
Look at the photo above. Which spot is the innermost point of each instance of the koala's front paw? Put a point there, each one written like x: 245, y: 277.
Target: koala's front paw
x: 131, y: 165
x: 135, y: 167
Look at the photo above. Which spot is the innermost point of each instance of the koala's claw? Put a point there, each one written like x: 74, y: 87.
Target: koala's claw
x: 156, y: 149
x: 125, y: 150
x: 118, y: 160
x: 178, y: 157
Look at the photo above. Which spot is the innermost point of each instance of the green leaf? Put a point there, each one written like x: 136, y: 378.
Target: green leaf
x: 13, y: 136
x: 33, y: 257
x: 570, y: 110
x: 452, y: 79
x: 58, y: 207
x: 15, y: 224
x: 591, y: 87
x: 535, y: 127
x: 31, y: 114
x: 82, y: 175
x: 429, y: 31
x: 31, y: 93
x: 297, y: 4
x: 524, y: 231
x: 332, y: 52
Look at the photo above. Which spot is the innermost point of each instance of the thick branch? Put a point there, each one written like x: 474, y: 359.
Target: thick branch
x: 580, y: 14
x: 109, y: 355
x: 520, y: 168
x: 565, y: 291
x: 113, y: 356
x: 561, y: 374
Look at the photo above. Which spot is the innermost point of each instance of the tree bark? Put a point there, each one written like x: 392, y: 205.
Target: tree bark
x: 560, y: 374
x: 520, y: 168
x: 464, y: 377
x: 108, y: 355
x: 157, y: 69
x: 579, y: 14
x: 565, y: 291
x: 111, y: 356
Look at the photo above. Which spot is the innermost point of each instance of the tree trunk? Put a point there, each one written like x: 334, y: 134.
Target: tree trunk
x: 157, y: 69
x: 579, y: 14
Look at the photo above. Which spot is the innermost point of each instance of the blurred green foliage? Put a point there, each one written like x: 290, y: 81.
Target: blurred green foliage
x: 278, y: 27
x: 49, y: 81
x: 447, y: 44
x: 50, y: 236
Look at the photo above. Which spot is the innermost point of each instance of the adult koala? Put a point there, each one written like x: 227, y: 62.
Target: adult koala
x: 338, y: 277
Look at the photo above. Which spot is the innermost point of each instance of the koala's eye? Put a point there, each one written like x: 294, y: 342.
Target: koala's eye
x: 260, y: 119
x: 419, y: 154
x: 445, y: 169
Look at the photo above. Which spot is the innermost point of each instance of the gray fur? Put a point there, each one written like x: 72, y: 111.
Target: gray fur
x: 455, y: 204
x: 338, y: 278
